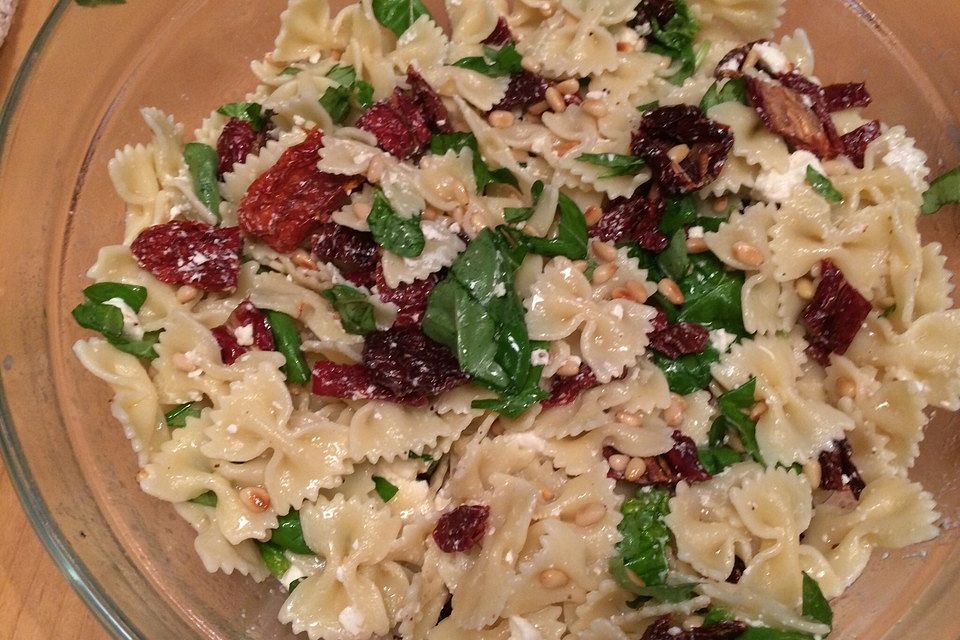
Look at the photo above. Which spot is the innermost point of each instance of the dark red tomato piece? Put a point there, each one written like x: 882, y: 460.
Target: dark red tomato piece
x: 834, y: 315
x: 408, y: 363
x: 246, y: 329
x: 564, y: 390
x: 194, y: 253
x: 462, y: 528
x: 237, y: 140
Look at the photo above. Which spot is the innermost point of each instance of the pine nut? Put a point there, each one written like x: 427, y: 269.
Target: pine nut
x: 594, y: 107
x: 805, y: 288
x: 187, y: 293
x: 593, y: 215
x: 670, y: 290
x: 605, y: 251
x: 618, y: 462
x: 886, y: 302
x: 673, y: 415
x: 758, y: 410
x: 538, y: 108
x: 568, y: 86
x: 255, y: 498
x: 569, y: 368
x: 555, y: 100
x: 697, y: 245
x: 751, y: 60
x: 620, y: 293
x: 460, y: 193
x: 693, y: 622
x: 720, y: 204
x: 457, y: 215
x: 624, y: 47
x: 302, y: 260
x: 604, y: 272
x: 546, y: 494
x: 629, y: 419
x: 183, y: 363
x: 362, y: 209
x: 846, y: 387
x: 747, y: 253
x: 679, y: 153
x: 142, y: 475
x: 590, y: 514
x: 811, y: 469
x: 638, y: 292
x: 500, y: 119
x: 553, y: 578
x: 375, y: 169
x: 635, y: 470
x: 562, y: 148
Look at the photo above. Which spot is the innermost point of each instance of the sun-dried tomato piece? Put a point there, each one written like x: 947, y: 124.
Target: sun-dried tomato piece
x: 681, y: 463
x: 194, y: 253
x: 408, y: 363
x: 665, y: 628
x: 462, y: 528
x: 411, y: 298
x: 352, y: 381
x: 404, y: 122
x: 856, y: 142
x: 786, y: 112
x: 837, y: 470
x: 834, y: 315
x: 664, y: 128
x: 564, y: 390
x: 633, y: 219
x: 525, y: 88
x: 680, y: 339
x: 501, y: 34
x: 848, y: 95
x: 431, y: 106
x: 731, y: 65
x: 247, y: 328
x: 649, y: 10
x: 353, y: 252
x: 288, y: 202
x: 237, y: 140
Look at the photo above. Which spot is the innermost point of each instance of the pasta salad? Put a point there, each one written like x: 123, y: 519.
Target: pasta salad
x: 572, y: 319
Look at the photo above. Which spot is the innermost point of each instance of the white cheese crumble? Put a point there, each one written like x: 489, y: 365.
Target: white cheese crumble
x: 772, y: 58
x: 539, y: 357
x: 695, y: 232
x: 521, y: 629
x: 500, y: 290
x: 597, y: 94
x: 352, y: 620
x: 528, y: 440
x: 721, y: 340
x: 903, y: 155
x: 244, y: 335
x: 774, y: 186
x: 674, y: 631
x: 131, y: 321
x: 314, y: 58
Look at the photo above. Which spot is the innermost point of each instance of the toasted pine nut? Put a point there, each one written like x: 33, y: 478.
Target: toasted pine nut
x: 671, y: 291
x: 673, y: 415
x: 555, y: 100
x: 562, y: 148
x: 624, y: 47
x: 460, y: 193
x: 846, y: 387
x: 618, y: 462
x: 693, y: 622
x: 605, y: 251
x: 142, y: 475
x: 590, y: 514
x: 538, y: 108
x: 362, y: 209
x: 604, y: 272
x: 594, y: 107
x: 697, y: 245
x: 593, y: 215
x: 886, y: 302
x: 500, y: 119
x: 457, y: 214
x: 635, y: 470
x: 187, y: 293
x: 747, y: 253
x: 569, y: 368
x: 720, y: 204
x: 568, y: 86
x: 546, y: 494
x: 758, y: 410
x: 811, y: 469
x: 553, y: 578
x: 620, y: 293
x: 304, y: 261
x: 255, y: 498
x: 638, y: 292
x: 183, y: 363
x: 375, y: 169
x: 679, y: 153
x: 805, y: 288
x: 629, y: 419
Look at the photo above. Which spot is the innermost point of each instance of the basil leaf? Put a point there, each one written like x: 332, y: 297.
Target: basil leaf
x: 207, y: 499
x: 177, y: 417
x: 642, y: 552
x: 667, y: 593
x: 495, y: 63
x: 398, y: 15
x: 734, y: 90
x: 710, y: 223
x: 716, y: 615
x: 796, y: 468
x: 273, y: 557
x: 688, y: 373
x: 476, y: 346
x: 413, y: 455
x: 250, y: 112
x: 943, y: 191
x: 822, y: 185
x: 522, y: 214
x: 732, y: 405
x: 763, y: 633
x: 571, y: 237
x: 289, y: 534
x: 675, y: 40
x: 679, y: 211
x: 396, y: 234
x: 142, y: 348
x: 336, y: 100
x: 343, y: 74
x: 290, y: 71
x: 712, y: 295
x: 674, y: 260
x: 202, y: 161
x: 440, y: 318
x: 131, y: 294
x: 514, y: 405
x: 364, y: 94
x: 286, y: 337
x: 889, y: 311
x: 385, y: 489
x: 103, y: 318
x: 716, y: 459
x: 649, y: 106
x: 619, y: 165
x: 815, y: 605
x: 440, y: 143
x: 482, y: 173
x: 356, y: 312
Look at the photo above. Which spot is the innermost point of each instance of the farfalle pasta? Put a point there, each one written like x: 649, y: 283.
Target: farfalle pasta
x: 551, y: 323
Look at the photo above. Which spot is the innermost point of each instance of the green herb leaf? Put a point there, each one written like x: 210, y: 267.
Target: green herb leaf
x: 336, y: 100
x: 273, y: 557
x: 290, y: 71
x: 763, y: 633
x: 364, y: 94
x: 571, y: 237
x: 142, y: 348
x: 675, y: 40
x: 177, y: 417
x: 667, y: 593
x: 398, y: 15
x: 482, y: 173
x: 716, y: 615
x: 943, y: 191
x: 206, y: 499
x: 289, y: 534
x: 716, y: 459
x: 796, y: 467
x: 712, y: 295
x: 131, y: 294
x: 688, y: 373
x: 733, y: 90
x: 202, y: 161
x: 649, y: 106
x: 815, y: 605
x: 522, y: 214
x: 642, y: 551
x: 822, y: 185
x: 425, y: 457
x: 385, y: 489
x: 398, y: 235
x: 514, y: 405
x: 103, y: 318
x: 733, y: 405
x: 619, y: 165
x: 889, y: 311
x: 250, y: 112
x: 679, y: 211
x: 494, y: 62
x: 674, y: 260
x: 286, y: 337
x: 356, y: 312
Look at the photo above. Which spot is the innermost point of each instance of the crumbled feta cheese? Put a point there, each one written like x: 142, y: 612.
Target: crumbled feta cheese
x: 521, y: 629
x: 674, y: 631
x: 244, y: 335
x: 628, y: 35
x: 772, y: 58
x: 500, y: 290
x: 695, y: 232
x: 597, y: 94
x: 352, y: 620
x: 903, y: 155
x: 539, y: 357
x: 314, y: 57
x: 299, y: 120
x: 774, y: 186
x: 618, y: 311
x: 179, y: 209
x: 131, y: 321
x: 232, y: 429
x: 721, y: 340
x: 528, y: 440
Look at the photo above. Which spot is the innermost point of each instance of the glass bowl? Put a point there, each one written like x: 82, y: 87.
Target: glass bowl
x: 75, y: 101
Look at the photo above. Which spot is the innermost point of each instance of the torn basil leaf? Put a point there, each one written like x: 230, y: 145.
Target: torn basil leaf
x: 286, y: 337
x: 822, y: 185
x: 494, y: 63
x: 206, y: 499
x: 398, y: 235
x: 105, y: 319
x: 943, y: 191
x: 176, y: 418
x: 336, y: 100
x: 733, y: 90
x: 716, y: 459
x: 482, y: 173
x: 385, y: 489
x: 675, y: 40
x: 668, y: 593
x: 273, y: 557
x: 289, y: 534
x: 815, y: 604
x: 570, y: 239
x: 688, y: 373
x: 679, y: 211
x: 619, y: 165
x: 640, y: 560
x: 133, y: 295
x: 249, y: 112
x: 513, y: 215
x: 733, y: 405
x: 356, y: 312
x: 202, y: 161
x: 398, y: 15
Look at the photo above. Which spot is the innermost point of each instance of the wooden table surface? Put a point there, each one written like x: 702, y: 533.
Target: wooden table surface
x: 36, y: 603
